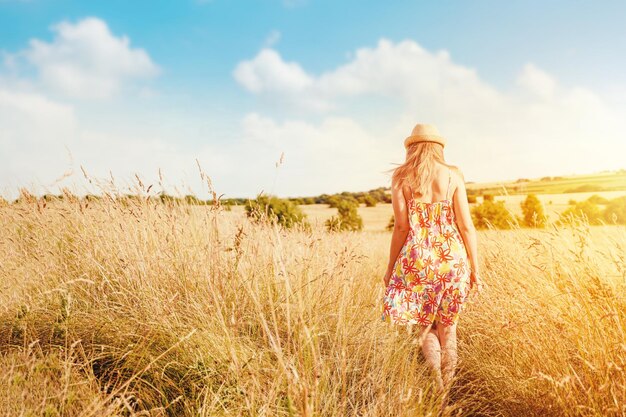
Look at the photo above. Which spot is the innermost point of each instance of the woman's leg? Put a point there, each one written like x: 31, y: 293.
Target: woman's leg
x: 431, y: 349
x: 449, y: 358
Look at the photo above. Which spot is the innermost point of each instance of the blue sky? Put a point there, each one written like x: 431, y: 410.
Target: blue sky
x: 234, y: 83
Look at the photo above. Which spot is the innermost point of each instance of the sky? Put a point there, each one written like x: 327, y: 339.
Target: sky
x: 304, y: 97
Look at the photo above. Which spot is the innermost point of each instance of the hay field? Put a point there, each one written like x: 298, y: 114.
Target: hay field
x: 150, y: 309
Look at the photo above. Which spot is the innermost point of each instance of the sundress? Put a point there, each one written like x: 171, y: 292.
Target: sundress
x: 431, y: 275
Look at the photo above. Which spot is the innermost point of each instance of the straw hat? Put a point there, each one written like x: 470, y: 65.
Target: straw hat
x: 424, y: 133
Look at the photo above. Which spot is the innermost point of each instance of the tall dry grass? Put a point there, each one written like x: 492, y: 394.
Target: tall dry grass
x: 137, y: 307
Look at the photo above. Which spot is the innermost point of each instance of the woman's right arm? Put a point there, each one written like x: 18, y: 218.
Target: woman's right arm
x: 466, y: 225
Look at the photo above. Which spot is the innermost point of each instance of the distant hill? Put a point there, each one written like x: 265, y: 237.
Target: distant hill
x: 602, y: 181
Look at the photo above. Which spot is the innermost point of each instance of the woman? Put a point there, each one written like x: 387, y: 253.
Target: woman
x: 433, y: 261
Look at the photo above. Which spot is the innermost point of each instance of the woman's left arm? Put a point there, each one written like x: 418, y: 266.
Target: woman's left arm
x: 401, y: 227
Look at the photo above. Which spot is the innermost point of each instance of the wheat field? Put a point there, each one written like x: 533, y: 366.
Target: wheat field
x: 142, y: 308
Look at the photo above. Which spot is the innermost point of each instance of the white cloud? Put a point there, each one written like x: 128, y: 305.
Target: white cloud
x: 85, y: 60
x: 537, y: 81
x: 33, y: 110
x: 9, y: 61
x: 404, y: 70
x: 34, y: 133
x: 331, y: 156
x: 537, y: 128
x: 267, y: 72
x: 43, y: 145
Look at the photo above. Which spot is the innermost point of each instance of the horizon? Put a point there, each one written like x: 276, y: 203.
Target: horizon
x: 224, y: 196
x: 144, y: 88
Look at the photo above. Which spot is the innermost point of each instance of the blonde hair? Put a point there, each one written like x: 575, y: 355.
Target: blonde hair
x: 418, y: 170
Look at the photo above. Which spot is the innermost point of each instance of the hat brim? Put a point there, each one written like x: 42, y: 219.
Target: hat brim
x: 424, y: 138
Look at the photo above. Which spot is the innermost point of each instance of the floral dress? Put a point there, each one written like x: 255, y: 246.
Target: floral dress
x: 431, y: 275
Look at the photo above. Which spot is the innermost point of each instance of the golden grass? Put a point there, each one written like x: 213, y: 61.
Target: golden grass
x: 119, y: 309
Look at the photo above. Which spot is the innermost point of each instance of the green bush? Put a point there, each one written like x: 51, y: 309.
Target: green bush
x: 533, y: 212
x: 381, y: 195
x: 615, y: 211
x: 596, y: 199
x: 164, y: 197
x: 322, y: 199
x: 369, y: 201
x: 227, y: 205
x: 337, y: 200
x: 487, y: 197
x: 273, y: 209
x: 471, y: 199
x: 193, y: 200
x: 347, y: 219
x: 584, y: 209
x: 491, y: 213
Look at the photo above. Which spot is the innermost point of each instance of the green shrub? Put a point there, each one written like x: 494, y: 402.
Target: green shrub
x: 336, y: 200
x: 369, y: 201
x: 273, y: 209
x: 165, y: 198
x: 582, y: 210
x: 533, y: 212
x: 596, y: 199
x: 193, y: 200
x: 322, y: 199
x: 347, y: 219
x: 487, y: 197
x: 227, y: 205
x: 381, y: 195
x: 471, y: 199
x: 491, y: 213
x: 615, y: 211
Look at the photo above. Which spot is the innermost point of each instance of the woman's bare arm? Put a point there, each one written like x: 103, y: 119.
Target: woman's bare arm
x: 401, y: 227
x: 465, y: 224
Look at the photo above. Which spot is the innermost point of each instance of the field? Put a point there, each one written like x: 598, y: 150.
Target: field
x: 377, y: 218
x: 604, y: 181
x: 142, y: 308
